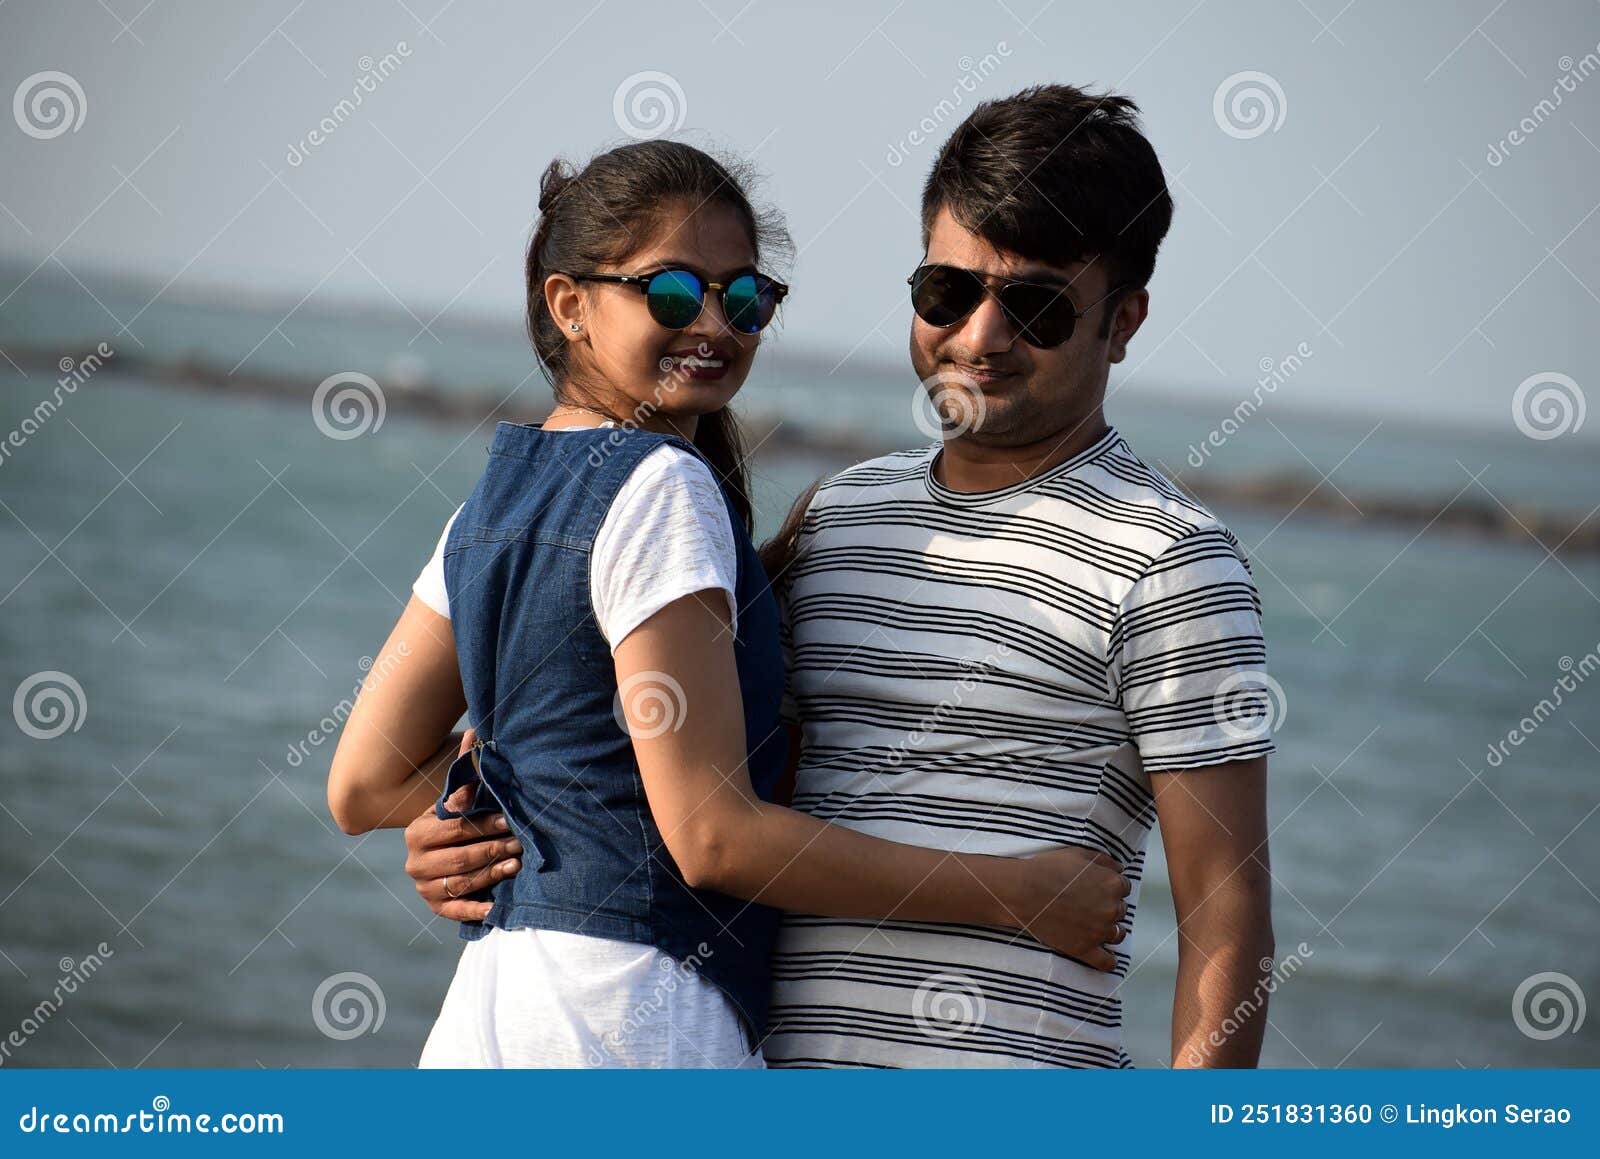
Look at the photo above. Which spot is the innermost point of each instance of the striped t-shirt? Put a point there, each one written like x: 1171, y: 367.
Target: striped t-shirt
x: 999, y: 673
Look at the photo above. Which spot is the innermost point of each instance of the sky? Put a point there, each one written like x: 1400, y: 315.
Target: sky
x: 1369, y: 196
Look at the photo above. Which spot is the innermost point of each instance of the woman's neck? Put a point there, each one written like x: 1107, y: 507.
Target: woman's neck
x: 570, y: 414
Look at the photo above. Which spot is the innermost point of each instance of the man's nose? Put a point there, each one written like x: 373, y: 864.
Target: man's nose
x: 987, y: 330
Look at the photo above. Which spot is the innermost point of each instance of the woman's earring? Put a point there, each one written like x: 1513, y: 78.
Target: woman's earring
x: 575, y: 327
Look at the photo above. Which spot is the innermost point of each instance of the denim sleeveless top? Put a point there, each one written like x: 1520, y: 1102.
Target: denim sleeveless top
x: 541, y: 690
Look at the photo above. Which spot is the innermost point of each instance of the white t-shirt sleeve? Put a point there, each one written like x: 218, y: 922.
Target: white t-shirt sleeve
x: 667, y: 535
x: 429, y: 586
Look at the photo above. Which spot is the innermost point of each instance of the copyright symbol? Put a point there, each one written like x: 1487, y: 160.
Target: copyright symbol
x: 1388, y: 1113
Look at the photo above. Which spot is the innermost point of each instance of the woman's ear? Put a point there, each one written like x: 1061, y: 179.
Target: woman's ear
x: 564, y: 300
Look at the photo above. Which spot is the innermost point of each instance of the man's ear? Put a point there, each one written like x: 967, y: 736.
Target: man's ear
x: 564, y: 300
x: 1131, y: 311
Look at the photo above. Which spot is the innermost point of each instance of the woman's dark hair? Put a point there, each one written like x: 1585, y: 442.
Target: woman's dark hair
x: 1056, y: 173
x: 782, y: 551
x: 600, y: 214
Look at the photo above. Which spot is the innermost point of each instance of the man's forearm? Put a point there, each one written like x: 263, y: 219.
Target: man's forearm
x: 1219, y: 1006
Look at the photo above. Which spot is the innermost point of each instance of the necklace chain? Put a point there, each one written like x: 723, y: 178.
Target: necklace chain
x: 589, y: 410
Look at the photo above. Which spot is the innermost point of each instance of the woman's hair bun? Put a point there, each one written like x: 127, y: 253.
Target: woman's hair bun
x: 557, y: 177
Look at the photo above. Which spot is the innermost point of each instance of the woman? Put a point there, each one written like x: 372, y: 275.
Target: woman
x: 614, y: 641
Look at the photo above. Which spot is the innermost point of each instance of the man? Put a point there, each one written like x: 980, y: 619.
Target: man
x: 1020, y: 637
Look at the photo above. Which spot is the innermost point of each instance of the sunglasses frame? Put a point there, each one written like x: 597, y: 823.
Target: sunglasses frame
x: 1022, y: 328
x: 642, y: 281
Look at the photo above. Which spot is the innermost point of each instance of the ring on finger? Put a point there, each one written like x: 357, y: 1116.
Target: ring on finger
x: 446, y: 883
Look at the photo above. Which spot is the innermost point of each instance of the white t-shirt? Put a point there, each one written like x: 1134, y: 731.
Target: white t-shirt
x: 666, y: 535
x: 547, y: 998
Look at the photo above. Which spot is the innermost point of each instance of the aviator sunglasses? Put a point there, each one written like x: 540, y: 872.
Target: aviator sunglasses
x: 1041, y: 313
x: 675, y: 297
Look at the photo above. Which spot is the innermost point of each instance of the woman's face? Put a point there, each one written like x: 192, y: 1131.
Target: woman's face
x: 627, y: 362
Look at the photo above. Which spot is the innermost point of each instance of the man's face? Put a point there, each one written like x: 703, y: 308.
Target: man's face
x: 993, y: 388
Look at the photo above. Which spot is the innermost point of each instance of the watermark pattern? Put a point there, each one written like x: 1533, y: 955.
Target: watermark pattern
x: 1548, y: 405
x: 1248, y: 104
x: 1275, y: 974
x: 947, y: 405
x: 1274, y: 373
x: 674, y: 373
x: 1249, y: 705
x: 73, y: 975
x: 74, y: 373
x: 1548, y: 1005
x: 48, y: 104
x: 931, y: 720
x: 348, y: 1005
x: 329, y: 725
x: 1573, y: 73
x: 48, y: 704
x: 1577, y: 671
x: 654, y: 702
x: 347, y: 405
x: 973, y: 73
x: 948, y: 1006
x: 674, y: 973
x: 373, y: 73
x: 649, y: 104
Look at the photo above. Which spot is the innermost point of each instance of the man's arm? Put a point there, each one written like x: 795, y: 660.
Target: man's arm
x: 1214, y: 830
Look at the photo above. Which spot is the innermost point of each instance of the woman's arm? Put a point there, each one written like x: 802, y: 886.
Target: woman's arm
x: 680, y: 664
x: 397, y: 743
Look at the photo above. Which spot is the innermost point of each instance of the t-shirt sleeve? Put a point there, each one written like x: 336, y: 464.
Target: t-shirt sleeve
x: 667, y: 535
x: 429, y: 585
x: 1190, y: 658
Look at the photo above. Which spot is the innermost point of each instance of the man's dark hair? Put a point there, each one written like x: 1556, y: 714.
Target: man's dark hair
x: 1055, y: 174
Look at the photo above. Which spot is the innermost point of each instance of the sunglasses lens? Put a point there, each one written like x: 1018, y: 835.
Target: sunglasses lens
x: 1044, y: 316
x: 675, y: 298
x: 943, y: 295
x: 749, y: 302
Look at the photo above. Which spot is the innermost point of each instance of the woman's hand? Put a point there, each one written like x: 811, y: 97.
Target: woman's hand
x: 686, y: 718
x: 397, y: 741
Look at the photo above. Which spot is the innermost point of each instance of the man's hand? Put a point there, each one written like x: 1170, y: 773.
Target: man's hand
x: 472, y: 852
x: 1072, y: 900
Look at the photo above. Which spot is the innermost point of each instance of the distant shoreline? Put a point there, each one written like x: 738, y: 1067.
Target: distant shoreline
x: 1275, y: 492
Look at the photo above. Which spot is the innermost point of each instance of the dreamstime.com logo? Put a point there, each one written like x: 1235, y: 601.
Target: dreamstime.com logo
x: 73, y: 975
x: 649, y: 104
x: 1274, y: 373
x: 645, y: 1013
x: 1548, y: 1005
x: 347, y: 405
x: 1548, y: 405
x: 973, y: 74
x: 948, y: 1006
x: 1248, y: 104
x: 330, y: 725
x: 348, y: 1005
x: 160, y: 1119
x: 373, y: 73
x: 948, y: 405
x: 48, y: 704
x: 654, y: 702
x: 74, y: 373
x: 1574, y: 673
x: 48, y: 104
x: 1274, y: 974
x: 1250, y: 705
